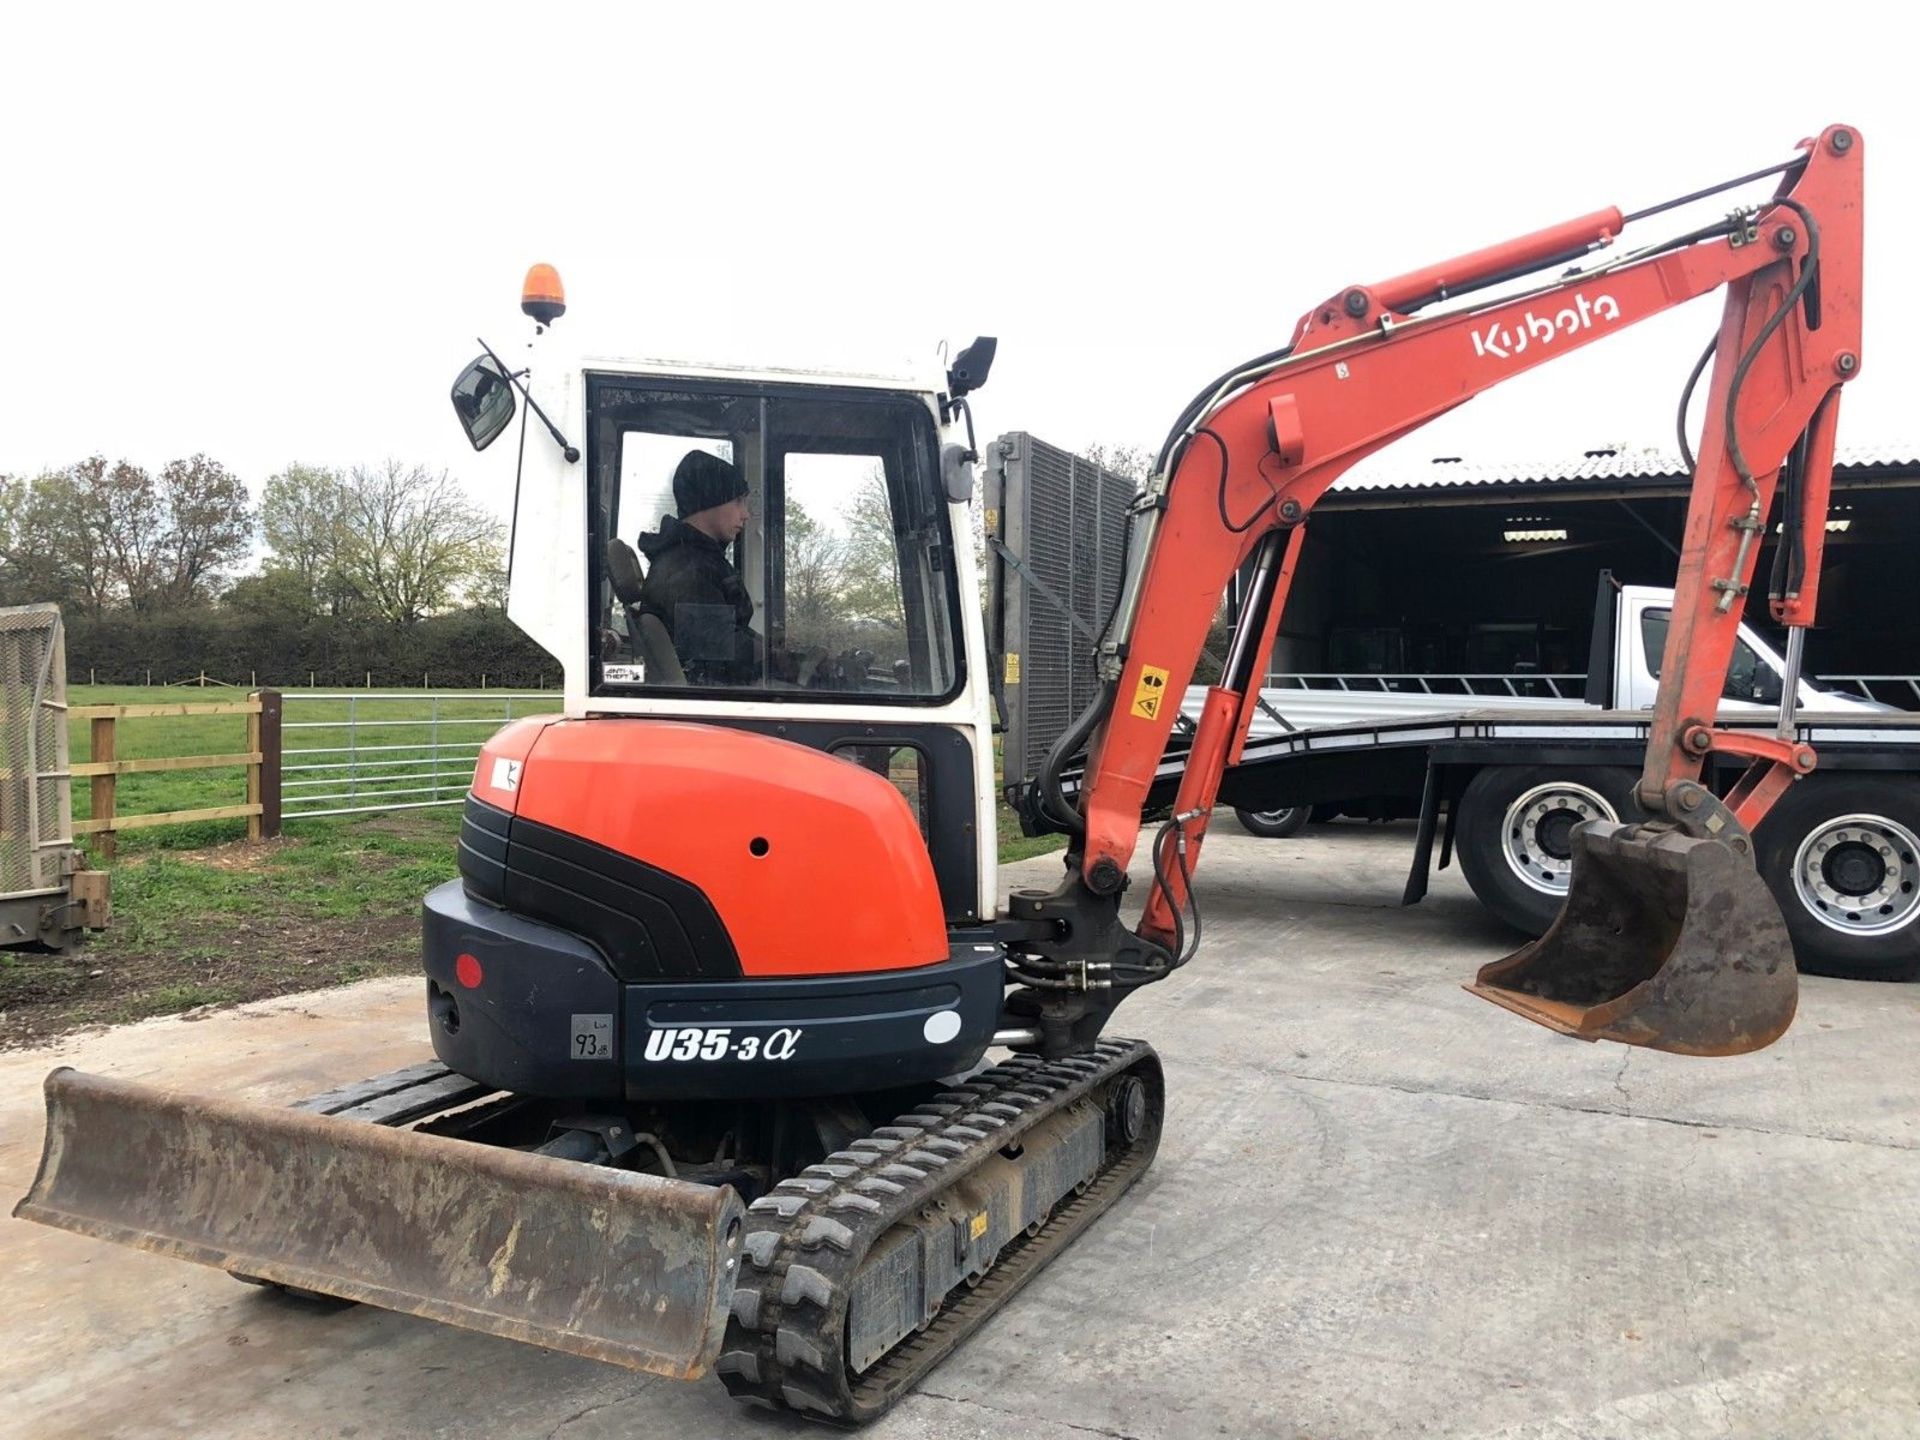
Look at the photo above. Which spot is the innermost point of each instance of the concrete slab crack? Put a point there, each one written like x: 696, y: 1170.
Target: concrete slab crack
x: 1018, y: 1415
x: 1560, y: 1106
x: 598, y: 1406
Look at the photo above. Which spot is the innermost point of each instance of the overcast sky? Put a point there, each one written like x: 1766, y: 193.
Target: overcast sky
x: 270, y: 233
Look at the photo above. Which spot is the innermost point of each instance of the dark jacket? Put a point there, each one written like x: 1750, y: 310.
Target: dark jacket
x: 697, y: 594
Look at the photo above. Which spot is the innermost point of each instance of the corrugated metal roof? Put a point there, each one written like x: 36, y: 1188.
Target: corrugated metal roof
x: 1595, y: 465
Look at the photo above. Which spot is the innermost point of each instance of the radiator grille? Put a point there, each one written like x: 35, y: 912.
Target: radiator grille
x: 1065, y: 519
x: 36, y: 819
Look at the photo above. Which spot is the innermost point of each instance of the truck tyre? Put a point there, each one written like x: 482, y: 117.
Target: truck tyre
x: 1515, y: 833
x: 1841, y: 855
x: 1274, y: 824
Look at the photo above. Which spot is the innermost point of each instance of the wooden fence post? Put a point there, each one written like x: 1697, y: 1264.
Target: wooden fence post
x: 103, y: 785
x: 263, y: 776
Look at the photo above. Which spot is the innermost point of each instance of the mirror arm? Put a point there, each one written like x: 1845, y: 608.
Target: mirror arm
x: 572, y: 454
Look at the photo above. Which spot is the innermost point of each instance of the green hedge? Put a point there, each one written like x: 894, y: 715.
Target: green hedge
x: 456, y: 652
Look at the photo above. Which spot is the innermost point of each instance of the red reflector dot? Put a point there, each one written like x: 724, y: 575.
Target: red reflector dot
x: 468, y: 970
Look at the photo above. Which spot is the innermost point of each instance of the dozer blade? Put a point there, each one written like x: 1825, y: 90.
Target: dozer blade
x: 1666, y: 941
x: 631, y: 1269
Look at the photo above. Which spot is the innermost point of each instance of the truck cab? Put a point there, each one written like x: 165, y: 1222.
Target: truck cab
x: 1631, y: 633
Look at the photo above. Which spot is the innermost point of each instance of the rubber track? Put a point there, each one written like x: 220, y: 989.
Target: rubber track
x: 786, y: 1340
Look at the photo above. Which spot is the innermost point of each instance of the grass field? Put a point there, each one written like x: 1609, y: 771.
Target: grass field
x: 384, y: 722
x: 203, y: 918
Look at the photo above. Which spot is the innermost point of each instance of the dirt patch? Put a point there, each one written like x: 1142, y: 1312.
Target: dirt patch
x: 243, y: 855
x: 200, y: 927
x: 45, y: 996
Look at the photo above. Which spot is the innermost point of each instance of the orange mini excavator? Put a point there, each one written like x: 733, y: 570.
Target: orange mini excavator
x: 714, y: 995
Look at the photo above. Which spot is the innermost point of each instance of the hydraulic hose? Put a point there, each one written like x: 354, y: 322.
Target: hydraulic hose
x: 1686, y: 400
x: 1053, y: 800
x: 1198, y: 407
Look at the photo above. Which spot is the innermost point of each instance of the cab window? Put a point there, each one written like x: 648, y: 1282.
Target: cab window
x: 770, y: 540
x: 1749, y: 677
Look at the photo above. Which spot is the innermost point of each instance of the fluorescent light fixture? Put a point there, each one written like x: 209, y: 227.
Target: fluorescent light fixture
x: 1523, y: 537
x: 1839, y: 527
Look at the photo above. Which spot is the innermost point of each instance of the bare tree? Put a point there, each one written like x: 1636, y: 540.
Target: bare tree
x: 303, y: 516
x: 119, y: 505
x: 1133, y: 461
x: 32, y: 569
x: 816, y: 561
x: 207, y: 526
x: 106, y: 533
x: 487, y: 589
x: 413, y: 542
x: 872, y: 555
x: 54, y: 549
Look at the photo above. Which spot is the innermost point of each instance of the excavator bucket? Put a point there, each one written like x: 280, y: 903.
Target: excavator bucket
x: 632, y: 1269
x: 1666, y: 941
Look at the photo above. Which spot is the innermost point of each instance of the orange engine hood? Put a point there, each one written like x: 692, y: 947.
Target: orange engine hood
x: 814, y: 863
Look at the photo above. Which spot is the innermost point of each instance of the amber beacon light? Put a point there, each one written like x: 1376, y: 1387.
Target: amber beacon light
x: 541, y: 295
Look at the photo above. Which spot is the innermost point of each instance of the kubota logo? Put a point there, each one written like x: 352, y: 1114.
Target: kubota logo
x: 1503, y: 342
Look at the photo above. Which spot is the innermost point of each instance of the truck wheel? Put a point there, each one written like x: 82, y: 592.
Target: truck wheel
x: 1842, y: 857
x: 1515, y: 833
x: 1274, y: 824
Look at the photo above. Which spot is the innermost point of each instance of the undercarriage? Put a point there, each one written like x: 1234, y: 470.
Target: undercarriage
x: 878, y: 1230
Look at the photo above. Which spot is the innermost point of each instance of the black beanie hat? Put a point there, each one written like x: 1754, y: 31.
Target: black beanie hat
x: 702, y: 481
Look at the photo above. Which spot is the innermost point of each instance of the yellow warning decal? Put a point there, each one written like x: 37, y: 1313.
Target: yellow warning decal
x: 1149, y: 692
x: 1013, y: 667
x: 979, y: 1225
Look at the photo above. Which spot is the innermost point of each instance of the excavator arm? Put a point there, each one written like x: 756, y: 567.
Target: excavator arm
x: 1252, y: 456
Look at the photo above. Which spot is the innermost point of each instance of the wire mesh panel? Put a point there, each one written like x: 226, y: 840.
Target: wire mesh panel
x: 36, y: 811
x: 1060, y: 523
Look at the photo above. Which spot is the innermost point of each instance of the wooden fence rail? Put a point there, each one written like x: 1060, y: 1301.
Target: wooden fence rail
x: 261, y: 759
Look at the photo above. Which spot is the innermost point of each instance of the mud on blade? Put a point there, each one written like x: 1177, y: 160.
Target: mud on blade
x: 631, y: 1269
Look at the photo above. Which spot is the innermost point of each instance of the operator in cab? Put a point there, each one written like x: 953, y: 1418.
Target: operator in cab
x: 691, y: 586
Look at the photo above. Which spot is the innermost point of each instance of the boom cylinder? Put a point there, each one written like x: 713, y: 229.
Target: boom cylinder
x: 1566, y: 241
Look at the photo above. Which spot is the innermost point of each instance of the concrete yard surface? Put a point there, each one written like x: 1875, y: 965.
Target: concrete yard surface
x: 1382, y: 1208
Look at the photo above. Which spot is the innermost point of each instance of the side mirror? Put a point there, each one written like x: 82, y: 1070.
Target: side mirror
x: 956, y: 473
x: 969, y: 372
x: 483, y: 399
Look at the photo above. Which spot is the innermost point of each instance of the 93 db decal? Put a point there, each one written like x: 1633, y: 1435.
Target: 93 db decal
x: 592, y: 1037
x: 698, y: 1043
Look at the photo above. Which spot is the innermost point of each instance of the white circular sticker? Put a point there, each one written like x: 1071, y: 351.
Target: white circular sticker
x: 941, y: 1026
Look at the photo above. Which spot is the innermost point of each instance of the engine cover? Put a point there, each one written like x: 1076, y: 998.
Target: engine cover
x: 687, y: 851
x: 651, y: 909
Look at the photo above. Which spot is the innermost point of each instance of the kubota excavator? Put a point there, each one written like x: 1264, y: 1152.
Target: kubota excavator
x: 712, y: 995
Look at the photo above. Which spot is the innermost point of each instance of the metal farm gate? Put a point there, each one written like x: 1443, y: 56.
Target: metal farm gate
x: 358, y: 753
x: 1056, y: 529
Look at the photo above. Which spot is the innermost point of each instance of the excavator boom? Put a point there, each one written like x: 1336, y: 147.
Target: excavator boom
x: 1253, y: 454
